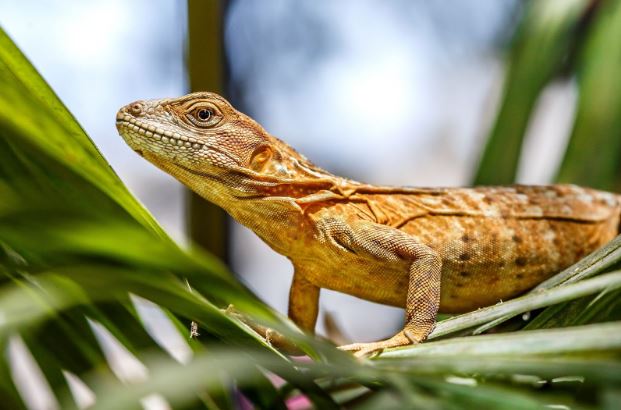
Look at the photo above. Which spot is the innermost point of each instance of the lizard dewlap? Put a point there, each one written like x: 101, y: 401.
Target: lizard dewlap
x: 423, y: 249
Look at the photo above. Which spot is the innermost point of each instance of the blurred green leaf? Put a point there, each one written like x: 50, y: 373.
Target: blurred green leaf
x: 540, y: 47
x: 29, y: 108
x: 593, y: 156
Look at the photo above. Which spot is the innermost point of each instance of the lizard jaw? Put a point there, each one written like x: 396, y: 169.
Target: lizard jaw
x: 142, y: 135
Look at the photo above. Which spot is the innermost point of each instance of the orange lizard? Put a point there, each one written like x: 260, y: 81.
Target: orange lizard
x: 425, y: 249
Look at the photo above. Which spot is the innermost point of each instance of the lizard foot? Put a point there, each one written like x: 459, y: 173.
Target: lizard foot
x: 372, y: 349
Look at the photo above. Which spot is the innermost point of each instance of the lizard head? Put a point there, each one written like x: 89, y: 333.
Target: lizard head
x: 210, y: 146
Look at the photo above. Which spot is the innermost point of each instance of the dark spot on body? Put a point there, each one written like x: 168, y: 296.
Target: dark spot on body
x: 519, y: 276
x: 464, y: 257
x: 521, y: 261
x: 516, y: 239
x: 465, y: 238
x: 459, y: 285
x: 464, y: 274
x: 487, y: 199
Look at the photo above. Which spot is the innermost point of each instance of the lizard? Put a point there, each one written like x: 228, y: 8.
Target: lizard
x: 426, y: 250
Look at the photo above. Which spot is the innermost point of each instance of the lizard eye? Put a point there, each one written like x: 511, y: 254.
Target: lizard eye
x: 204, y: 116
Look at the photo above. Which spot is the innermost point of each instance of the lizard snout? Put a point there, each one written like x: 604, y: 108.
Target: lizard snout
x: 129, y: 113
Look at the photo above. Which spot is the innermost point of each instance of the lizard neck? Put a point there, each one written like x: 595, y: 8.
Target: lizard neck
x: 274, y: 210
x: 277, y: 213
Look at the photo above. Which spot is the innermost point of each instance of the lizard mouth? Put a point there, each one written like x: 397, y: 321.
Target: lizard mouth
x: 132, y: 127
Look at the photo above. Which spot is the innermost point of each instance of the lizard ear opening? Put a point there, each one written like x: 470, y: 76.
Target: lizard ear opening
x: 260, y: 157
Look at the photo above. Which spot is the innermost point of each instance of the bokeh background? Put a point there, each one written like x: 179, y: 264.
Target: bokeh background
x: 399, y: 93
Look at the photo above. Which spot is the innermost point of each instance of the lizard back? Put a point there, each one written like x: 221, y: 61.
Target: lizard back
x: 497, y: 242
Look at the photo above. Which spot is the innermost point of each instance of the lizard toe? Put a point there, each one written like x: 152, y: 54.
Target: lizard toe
x: 369, y: 349
x: 351, y: 347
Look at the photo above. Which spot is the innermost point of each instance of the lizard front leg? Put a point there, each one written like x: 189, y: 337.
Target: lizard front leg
x: 388, y: 245
x: 303, y: 301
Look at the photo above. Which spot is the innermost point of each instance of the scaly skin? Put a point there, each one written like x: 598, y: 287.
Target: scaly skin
x: 424, y: 249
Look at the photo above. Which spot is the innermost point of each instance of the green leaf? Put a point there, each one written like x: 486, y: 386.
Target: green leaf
x: 579, y: 339
x: 598, y: 119
x: 534, y: 300
x: 32, y: 117
x: 541, y: 45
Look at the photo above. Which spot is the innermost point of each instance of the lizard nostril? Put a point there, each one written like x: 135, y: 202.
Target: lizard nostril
x: 136, y: 109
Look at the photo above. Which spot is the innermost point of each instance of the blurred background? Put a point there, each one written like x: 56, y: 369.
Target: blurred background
x: 396, y: 93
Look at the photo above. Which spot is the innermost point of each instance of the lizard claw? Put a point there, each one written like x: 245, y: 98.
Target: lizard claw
x: 362, y: 350
x: 230, y: 309
x: 270, y: 335
x: 373, y: 349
